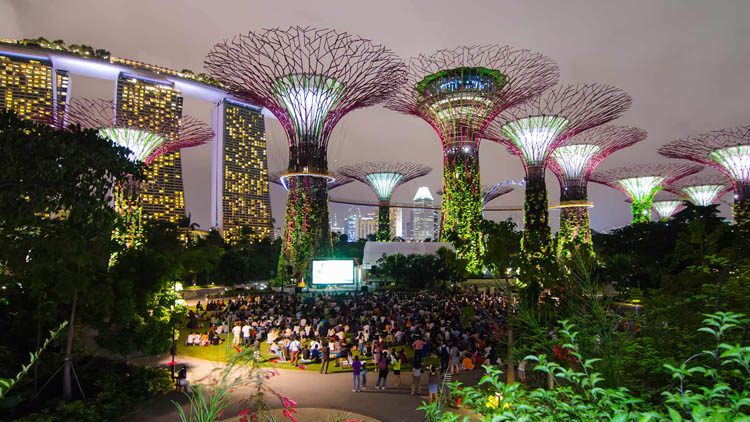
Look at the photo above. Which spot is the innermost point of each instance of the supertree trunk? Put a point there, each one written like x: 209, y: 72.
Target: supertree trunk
x: 741, y: 207
x: 574, y: 234
x: 384, y: 223
x: 642, y: 209
x: 306, y: 234
x: 462, y: 207
x: 538, y: 265
x: 129, y: 229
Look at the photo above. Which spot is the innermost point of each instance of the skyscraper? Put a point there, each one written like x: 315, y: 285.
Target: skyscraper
x: 150, y: 104
x: 32, y: 87
x: 397, y: 222
x: 424, y: 219
x: 241, y: 172
x: 350, y: 224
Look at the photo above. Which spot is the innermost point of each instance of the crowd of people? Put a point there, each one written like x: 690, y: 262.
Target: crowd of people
x: 383, y: 332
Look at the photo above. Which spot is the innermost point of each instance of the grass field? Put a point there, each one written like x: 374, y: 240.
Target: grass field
x: 219, y: 353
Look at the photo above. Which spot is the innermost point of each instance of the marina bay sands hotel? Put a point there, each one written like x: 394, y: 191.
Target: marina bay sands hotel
x: 35, y: 82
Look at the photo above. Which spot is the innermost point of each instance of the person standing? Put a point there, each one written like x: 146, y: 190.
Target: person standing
x: 356, y: 365
x: 363, y: 371
x: 445, y: 354
x: 236, y: 334
x: 433, y: 379
x: 416, y: 377
x: 455, y: 357
x: 397, y: 371
x: 294, y: 349
x: 326, y: 356
x: 246, y: 334
x: 382, y: 370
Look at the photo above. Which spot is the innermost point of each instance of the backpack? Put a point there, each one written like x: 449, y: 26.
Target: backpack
x: 382, y: 363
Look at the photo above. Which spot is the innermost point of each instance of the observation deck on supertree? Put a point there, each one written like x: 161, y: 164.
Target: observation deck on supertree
x: 642, y: 182
x: 728, y: 151
x: 145, y: 146
x: 533, y: 130
x: 702, y: 189
x: 384, y: 178
x: 458, y: 92
x: 572, y: 163
x: 309, y: 79
x: 277, y: 177
x: 666, y: 204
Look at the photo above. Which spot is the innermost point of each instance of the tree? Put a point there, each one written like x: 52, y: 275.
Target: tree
x: 55, y: 222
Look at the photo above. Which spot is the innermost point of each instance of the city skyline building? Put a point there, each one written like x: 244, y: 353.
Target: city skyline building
x: 424, y: 220
x: 33, y: 88
x: 397, y: 222
x: 152, y: 105
x: 240, y: 184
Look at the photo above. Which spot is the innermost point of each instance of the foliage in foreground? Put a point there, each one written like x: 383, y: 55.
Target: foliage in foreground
x: 713, y: 385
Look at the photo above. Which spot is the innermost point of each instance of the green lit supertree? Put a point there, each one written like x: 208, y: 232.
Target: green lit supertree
x: 535, y: 129
x: 572, y: 163
x: 384, y: 178
x: 666, y: 204
x: 458, y: 92
x: 309, y: 79
x: 702, y: 189
x: 728, y: 151
x: 492, y: 192
x: 144, y: 145
x: 642, y: 182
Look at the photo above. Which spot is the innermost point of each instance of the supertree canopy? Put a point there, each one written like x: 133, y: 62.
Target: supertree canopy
x: 339, y: 179
x: 726, y: 150
x: 145, y: 146
x: 533, y: 130
x: 666, y: 204
x: 642, y: 182
x: 491, y: 192
x: 458, y: 92
x: 702, y: 189
x: 572, y: 162
x: 383, y: 178
x: 309, y: 79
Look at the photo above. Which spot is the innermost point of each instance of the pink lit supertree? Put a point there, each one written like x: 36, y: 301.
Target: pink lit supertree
x: 702, y: 189
x: 384, y: 178
x: 145, y: 146
x: 572, y: 163
x: 458, y: 92
x: 535, y: 129
x: 642, y: 182
x: 309, y: 79
x: 726, y: 150
x: 666, y: 204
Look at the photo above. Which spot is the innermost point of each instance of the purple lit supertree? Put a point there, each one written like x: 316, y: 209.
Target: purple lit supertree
x: 383, y: 178
x: 642, y: 182
x: 572, y: 163
x: 309, y: 79
x: 535, y: 129
x: 145, y: 146
x: 666, y: 204
x: 728, y: 151
x: 702, y: 189
x: 458, y: 92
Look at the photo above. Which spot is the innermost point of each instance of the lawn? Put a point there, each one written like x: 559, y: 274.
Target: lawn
x: 219, y: 353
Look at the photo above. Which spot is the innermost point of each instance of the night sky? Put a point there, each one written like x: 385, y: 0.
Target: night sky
x: 685, y: 63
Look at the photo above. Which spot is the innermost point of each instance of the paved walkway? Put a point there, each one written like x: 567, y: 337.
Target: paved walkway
x: 309, y: 389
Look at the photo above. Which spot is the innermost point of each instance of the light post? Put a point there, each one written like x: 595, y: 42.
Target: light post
x: 176, y: 287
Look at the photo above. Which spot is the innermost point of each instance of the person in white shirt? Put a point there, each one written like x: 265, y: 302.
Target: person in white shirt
x: 236, y: 332
x: 294, y: 348
x: 246, y: 334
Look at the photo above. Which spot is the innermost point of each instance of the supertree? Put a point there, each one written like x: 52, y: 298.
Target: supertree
x: 666, y: 204
x: 309, y: 79
x: 728, y: 151
x: 533, y: 130
x: 383, y: 178
x: 642, y: 182
x: 702, y: 189
x: 145, y: 146
x: 572, y: 163
x: 339, y: 179
x: 458, y: 92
